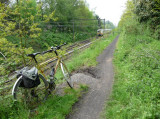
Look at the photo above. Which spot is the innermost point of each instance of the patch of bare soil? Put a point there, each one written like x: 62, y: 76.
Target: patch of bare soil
x: 90, y: 71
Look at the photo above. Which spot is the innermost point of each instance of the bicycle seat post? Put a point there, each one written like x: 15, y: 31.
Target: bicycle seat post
x: 56, y: 53
x: 34, y: 56
x: 35, y: 59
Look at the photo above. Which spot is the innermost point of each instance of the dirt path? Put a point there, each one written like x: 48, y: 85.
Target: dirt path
x: 100, y: 82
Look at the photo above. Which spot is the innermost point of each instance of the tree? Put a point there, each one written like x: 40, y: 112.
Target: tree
x: 128, y: 13
x: 5, y: 25
x: 5, y: 2
x: 129, y: 20
x: 148, y: 11
x: 21, y: 21
x: 109, y: 25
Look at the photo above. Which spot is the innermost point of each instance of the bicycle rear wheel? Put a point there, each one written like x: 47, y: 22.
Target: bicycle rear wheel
x: 19, y: 92
x: 29, y: 95
x: 66, y: 74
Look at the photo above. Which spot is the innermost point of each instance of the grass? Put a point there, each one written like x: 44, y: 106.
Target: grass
x: 57, y: 107
x: 136, y: 88
x: 88, y: 57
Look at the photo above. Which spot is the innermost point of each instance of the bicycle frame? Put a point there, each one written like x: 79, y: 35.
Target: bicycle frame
x: 58, y: 64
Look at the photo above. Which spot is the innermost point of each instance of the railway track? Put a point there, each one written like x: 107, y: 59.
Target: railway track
x: 6, y: 86
x: 77, y: 44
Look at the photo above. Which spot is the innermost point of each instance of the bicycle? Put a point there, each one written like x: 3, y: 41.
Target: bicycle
x: 26, y: 89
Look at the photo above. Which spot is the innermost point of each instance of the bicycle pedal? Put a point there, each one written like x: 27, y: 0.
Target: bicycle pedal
x: 52, y: 86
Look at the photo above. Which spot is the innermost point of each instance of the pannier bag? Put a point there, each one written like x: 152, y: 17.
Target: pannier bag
x: 30, y: 78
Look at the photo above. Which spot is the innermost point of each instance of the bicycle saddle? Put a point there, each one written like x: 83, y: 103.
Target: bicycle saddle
x: 33, y: 54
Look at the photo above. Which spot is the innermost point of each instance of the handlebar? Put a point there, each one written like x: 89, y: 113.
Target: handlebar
x: 33, y: 55
x: 54, y: 48
x: 59, y: 47
x: 47, y: 51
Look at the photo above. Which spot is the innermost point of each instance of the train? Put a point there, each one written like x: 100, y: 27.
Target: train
x: 101, y: 32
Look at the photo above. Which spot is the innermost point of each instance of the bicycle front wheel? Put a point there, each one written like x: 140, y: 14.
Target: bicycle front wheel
x: 66, y: 74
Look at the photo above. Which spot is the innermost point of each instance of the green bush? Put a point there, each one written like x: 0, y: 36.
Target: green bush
x: 136, y: 89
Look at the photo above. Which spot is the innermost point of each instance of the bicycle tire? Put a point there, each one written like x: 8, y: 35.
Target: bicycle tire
x: 66, y: 74
x: 38, y: 93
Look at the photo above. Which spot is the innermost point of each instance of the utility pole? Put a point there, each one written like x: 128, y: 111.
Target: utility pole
x: 99, y: 23
x: 73, y: 32
x: 104, y: 23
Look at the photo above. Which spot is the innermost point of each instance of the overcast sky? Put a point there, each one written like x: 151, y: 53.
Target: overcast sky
x: 108, y: 9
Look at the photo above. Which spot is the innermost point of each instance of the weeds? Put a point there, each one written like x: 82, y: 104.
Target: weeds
x: 136, y: 89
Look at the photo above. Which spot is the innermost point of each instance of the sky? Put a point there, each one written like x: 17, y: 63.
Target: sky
x: 108, y: 9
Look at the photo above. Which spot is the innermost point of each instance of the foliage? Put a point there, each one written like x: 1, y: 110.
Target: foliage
x: 18, y: 23
x: 12, y: 110
x: 148, y: 11
x: 54, y: 107
x: 109, y: 25
x: 136, y: 89
x: 5, y: 1
x: 15, y: 59
x: 67, y: 10
x: 127, y: 18
x: 15, y: 22
x: 24, y: 14
x: 59, y: 106
x: 5, y: 25
x: 21, y: 22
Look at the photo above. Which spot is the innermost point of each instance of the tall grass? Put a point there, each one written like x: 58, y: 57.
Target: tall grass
x: 136, y: 91
x: 58, y: 107
x: 88, y: 57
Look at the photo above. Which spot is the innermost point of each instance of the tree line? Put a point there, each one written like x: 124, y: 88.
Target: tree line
x: 22, y: 14
x: 146, y: 12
